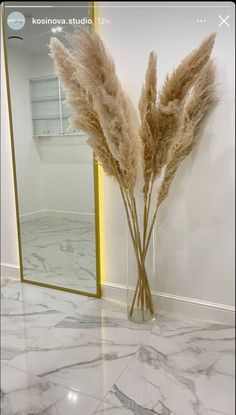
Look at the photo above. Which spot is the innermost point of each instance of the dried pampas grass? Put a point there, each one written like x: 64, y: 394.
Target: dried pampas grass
x: 114, y: 109
x: 200, y: 102
x: 172, y: 98
x: 170, y: 126
x: 148, y: 116
x: 78, y: 97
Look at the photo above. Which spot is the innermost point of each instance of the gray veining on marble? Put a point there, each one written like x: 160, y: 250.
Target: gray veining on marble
x: 65, y: 354
x: 60, y: 251
x: 24, y: 394
x: 177, y: 371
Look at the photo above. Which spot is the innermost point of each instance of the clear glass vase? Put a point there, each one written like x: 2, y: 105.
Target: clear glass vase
x: 140, y: 278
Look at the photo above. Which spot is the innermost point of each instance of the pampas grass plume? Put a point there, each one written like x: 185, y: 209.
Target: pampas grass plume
x: 170, y: 127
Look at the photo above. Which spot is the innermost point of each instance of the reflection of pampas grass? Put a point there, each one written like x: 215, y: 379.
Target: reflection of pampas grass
x: 78, y: 97
x: 170, y: 126
x: 116, y: 115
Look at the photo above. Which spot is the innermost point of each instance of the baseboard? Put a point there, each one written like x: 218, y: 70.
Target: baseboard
x: 70, y: 214
x: 32, y: 215
x: 185, y: 306
x: 55, y: 213
x: 10, y: 271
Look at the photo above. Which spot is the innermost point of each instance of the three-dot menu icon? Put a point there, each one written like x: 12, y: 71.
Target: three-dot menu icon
x: 201, y: 20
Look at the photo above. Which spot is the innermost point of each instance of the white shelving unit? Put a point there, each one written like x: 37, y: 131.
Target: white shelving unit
x: 50, y: 114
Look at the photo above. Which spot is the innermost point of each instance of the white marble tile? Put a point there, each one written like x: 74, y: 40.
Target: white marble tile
x: 96, y: 339
x: 58, y: 300
x: 87, y: 353
x: 33, y: 313
x: 10, y: 306
x: 210, y: 336
x: 22, y: 325
x: 175, y: 372
x: 14, y: 294
x: 74, y: 403
x: 10, y: 289
x: 60, y: 251
x: 98, y: 362
x: 25, y: 394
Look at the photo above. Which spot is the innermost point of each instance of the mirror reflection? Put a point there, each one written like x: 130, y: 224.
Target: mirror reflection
x: 55, y: 171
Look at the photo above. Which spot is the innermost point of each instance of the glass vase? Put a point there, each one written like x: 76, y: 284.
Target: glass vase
x: 140, y: 273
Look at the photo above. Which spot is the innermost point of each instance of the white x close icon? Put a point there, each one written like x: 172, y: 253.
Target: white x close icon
x: 223, y: 20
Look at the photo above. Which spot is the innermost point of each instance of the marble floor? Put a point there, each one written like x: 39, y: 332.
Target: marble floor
x: 64, y: 354
x: 60, y: 251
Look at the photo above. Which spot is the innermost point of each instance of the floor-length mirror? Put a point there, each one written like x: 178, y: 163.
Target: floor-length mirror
x: 56, y: 176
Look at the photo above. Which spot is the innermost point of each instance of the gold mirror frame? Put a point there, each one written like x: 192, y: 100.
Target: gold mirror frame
x: 97, y: 169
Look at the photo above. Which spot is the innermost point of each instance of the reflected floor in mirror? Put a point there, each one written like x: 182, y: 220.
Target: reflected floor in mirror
x: 68, y: 354
x: 60, y: 251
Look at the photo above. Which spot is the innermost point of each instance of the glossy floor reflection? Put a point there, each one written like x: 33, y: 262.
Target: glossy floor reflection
x: 60, y: 251
x: 65, y: 354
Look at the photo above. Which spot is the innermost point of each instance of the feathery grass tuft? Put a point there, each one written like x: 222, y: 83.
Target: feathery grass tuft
x: 148, y: 116
x: 114, y: 109
x: 200, y: 102
x: 85, y: 117
x: 172, y: 98
x: 170, y: 126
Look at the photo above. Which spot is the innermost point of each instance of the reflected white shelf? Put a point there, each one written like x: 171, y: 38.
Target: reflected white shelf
x: 45, y: 98
x: 60, y: 135
x: 50, y: 117
x: 45, y: 117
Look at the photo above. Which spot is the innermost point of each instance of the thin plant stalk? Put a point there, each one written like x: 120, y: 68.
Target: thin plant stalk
x: 142, y: 287
x: 170, y: 125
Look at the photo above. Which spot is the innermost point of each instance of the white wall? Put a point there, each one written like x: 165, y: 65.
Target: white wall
x: 67, y: 163
x: 53, y: 173
x: 42, y: 65
x: 28, y: 163
x: 194, y: 245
